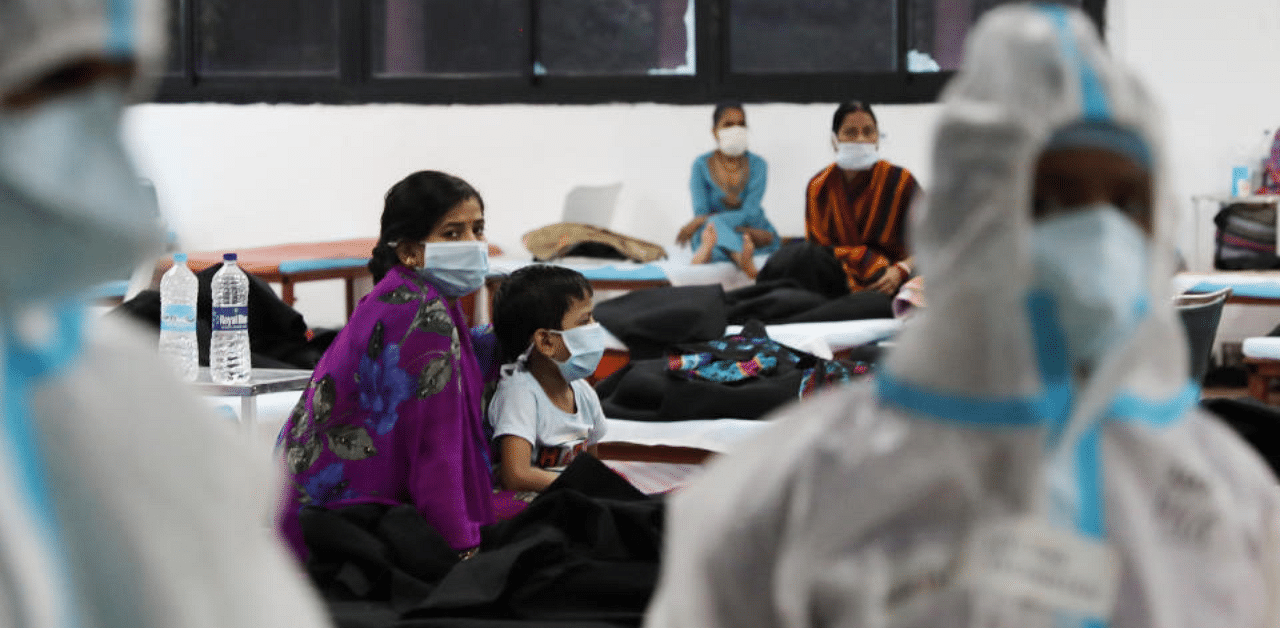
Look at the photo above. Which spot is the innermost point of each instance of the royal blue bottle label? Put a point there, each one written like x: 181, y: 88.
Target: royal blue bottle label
x: 231, y: 318
x: 178, y: 317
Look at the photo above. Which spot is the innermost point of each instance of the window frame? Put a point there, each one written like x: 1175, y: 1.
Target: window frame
x: 354, y: 82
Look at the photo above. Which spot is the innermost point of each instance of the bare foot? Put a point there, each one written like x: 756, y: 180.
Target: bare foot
x: 746, y: 258
x: 708, y: 245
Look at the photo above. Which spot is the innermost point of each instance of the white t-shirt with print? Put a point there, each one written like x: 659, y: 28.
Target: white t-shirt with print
x: 520, y: 407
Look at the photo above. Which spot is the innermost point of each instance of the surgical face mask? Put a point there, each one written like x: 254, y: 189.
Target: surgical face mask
x: 73, y: 208
x: 455, y: 268
x: 856, y: 155
x: 732, y: 140
x: 1095, y: 262
x: 586, y: 346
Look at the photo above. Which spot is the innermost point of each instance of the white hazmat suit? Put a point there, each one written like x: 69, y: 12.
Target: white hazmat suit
x: 124, y: 503
x: 982, y: 479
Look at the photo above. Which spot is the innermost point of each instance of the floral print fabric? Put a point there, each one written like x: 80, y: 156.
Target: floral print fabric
x: 752, y: 354
x: 393, y: 415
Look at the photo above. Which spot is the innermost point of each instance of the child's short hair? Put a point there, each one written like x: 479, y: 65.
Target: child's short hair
x: 532, y: 298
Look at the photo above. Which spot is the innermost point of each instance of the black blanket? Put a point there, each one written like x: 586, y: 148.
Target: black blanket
x: 1256, y: 422
x: 644, y: 390
x: 584, y: 553
x: 651, y: 321
x: 278, y: 335
x: 744, y: 376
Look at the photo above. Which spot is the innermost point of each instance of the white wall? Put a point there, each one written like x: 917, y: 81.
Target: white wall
x: 1209, y: 64
x: 249, y: 175
x: 238, y: 176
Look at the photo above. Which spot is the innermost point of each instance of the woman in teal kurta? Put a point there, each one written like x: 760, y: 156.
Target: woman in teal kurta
x: 727, y: 186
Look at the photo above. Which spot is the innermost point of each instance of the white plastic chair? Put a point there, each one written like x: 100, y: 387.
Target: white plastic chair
x: 591, y: 204
x: 1200, y: 314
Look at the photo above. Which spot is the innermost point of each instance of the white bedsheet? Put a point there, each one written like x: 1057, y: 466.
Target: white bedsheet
x: 819, y: 338
x: 823, y: 338
x: 718, y: 435
x: 681, y: 273
x: 1265, y: 347
x: 1185, y: 281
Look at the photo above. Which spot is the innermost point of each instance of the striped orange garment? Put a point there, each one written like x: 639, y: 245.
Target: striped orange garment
x: 866, y: 232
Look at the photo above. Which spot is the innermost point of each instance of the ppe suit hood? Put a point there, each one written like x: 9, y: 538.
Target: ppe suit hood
x: 987, y: 349
x: 74, y: 209
x: 38, y: 36
x: 875, y: 505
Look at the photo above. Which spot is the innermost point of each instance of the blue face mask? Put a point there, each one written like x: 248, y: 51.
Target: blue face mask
x: 1095, y: 262
x: 70, y: 200
x: 586, y: 346
x: 455, y: 268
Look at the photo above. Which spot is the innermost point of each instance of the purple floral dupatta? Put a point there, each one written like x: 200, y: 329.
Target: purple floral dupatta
x: 392, y: 416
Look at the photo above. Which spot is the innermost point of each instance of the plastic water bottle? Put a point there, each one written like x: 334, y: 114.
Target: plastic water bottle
x: 178, y: 318
x: 1248, y: 174
x: 229, y: 346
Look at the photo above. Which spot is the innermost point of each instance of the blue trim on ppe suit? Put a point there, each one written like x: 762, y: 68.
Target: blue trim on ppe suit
x: 25, y: 366
x: 1051, y: 407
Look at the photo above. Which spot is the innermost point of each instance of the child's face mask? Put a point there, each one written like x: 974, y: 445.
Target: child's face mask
x: 586, y: 346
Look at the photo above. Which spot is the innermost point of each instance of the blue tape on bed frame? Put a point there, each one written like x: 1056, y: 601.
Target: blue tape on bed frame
x: 1243, y: 289
x: 304, y: 265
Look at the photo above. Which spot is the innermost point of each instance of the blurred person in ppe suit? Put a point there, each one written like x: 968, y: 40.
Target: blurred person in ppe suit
x: 1031, y: 453
x: 124, y: 503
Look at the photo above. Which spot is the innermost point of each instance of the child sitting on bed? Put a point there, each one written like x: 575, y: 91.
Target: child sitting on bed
x: 544, y: 413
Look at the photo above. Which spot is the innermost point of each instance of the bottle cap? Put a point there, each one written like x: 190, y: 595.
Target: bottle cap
x: 230, y: 257
x: 180, y: 258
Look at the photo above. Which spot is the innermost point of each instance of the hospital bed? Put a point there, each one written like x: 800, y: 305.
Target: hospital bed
x: 605, y: 274
x: 347, y: 260
x: 828, y: 339
x: 650, y: 452
x: 656, y: 457
x: 1248, y: 287
x: 291, y: 264
x: 617, y: 276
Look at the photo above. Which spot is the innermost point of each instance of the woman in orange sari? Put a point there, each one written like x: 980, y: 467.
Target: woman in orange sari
x: 858, y: 205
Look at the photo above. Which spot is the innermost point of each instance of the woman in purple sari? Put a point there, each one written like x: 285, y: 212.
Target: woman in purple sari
x: 393, y: 411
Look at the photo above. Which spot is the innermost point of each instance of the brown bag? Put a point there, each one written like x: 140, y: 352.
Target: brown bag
x: 566, y: 239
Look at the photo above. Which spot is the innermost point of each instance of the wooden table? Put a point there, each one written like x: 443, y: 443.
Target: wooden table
x: 290, y: 264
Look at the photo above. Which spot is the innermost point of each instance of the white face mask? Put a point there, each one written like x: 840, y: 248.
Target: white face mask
x: 455, y: 268
x: 856, y: 155
x: 1095, y: 262
x: 586, y: 346
x: 732, y: 140
x: 73, y: 209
